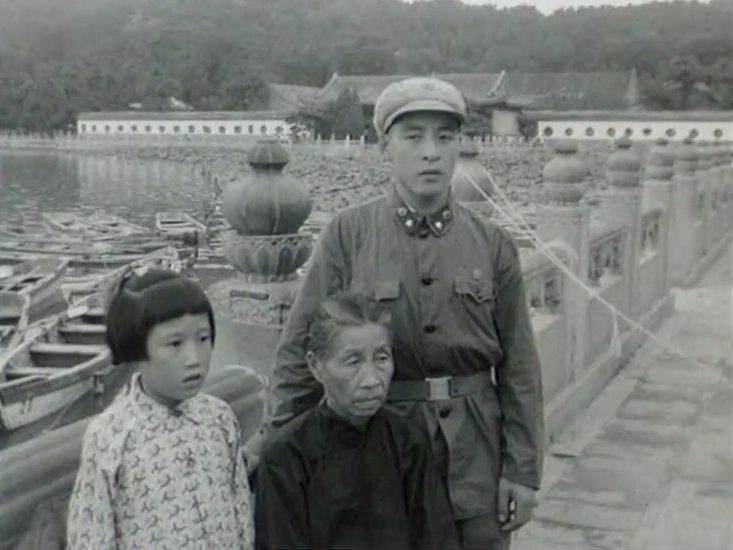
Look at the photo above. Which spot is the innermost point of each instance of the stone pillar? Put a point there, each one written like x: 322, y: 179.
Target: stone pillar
x: 727, y: 183
x: 658, y: 190
x: 686, y: 249
x: 266, y: 247
x: 704, y: 189
x: 563, y: 217
x: 716, y: 199
x: 469, y: 174
x: 622, y: 204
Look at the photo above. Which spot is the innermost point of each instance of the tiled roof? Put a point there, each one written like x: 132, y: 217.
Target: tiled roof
x: 565, y: 90
x: 570, y: 90
x: 474, y: 86
x: 286, y: 97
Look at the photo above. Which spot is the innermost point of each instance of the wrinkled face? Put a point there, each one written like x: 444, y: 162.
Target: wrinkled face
x: 423, y: 148
x: 356, y: 371
x: 179, y: 355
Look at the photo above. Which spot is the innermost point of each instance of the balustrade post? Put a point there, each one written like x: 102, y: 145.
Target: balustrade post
x: 727, y: 175
x: 469, y: 175
x: 622, y: 203
x: 266, y: 247
x: 659, y: 190
x: 716, y: 199
x: 704, y: 190
x: 686, y: 250
x: 564, y: 218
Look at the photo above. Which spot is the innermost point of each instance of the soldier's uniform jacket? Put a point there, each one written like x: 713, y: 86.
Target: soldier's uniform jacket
x: 168, y: 479
x: 453, y: 283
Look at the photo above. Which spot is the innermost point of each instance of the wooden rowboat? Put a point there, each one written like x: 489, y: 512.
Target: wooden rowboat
x: 94, y: 226
x: 69, y: 248
x: 26, y: 229
x: 54, y: 367
x: 14, y: 308
x: 176, y: 225
x: 83, y: 282
x: 91, y: 262
x: 39, y: 279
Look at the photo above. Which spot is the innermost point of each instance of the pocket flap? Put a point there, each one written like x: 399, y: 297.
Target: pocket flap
x: 386, y: 290
x: 479, y: 290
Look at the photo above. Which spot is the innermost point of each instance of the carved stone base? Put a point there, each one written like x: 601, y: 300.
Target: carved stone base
x: 249, y: 317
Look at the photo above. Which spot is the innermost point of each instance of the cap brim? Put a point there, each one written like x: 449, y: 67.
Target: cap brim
x: 423, y: 105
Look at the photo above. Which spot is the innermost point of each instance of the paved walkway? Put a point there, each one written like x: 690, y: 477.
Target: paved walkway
x: 650, y: 464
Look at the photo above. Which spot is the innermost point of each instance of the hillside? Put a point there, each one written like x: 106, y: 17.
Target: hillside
x: 59, y: 58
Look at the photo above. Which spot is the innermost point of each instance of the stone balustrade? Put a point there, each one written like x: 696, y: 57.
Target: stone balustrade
x: 651, y: 230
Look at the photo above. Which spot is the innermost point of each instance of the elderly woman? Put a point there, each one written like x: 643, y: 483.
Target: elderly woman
x: 350, y: 474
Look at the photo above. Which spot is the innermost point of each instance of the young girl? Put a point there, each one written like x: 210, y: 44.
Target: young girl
x: 350, y: 474
x: 161, y: 466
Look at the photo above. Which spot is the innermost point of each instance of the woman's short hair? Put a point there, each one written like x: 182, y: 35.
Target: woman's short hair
x: 339, y: 312
x: 139, y: 302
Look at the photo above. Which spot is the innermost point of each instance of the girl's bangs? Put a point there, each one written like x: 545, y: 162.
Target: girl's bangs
x: 171, y: 299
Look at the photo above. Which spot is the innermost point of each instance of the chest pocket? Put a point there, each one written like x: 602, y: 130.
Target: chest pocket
x: 385, y: 290
x: 478, y: 291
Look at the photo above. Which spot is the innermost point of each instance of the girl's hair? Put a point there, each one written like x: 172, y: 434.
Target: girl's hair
x: 140, y: 301
x: 340, y: 312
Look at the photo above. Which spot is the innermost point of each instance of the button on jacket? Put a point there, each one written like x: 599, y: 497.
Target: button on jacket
x: 454, y: 285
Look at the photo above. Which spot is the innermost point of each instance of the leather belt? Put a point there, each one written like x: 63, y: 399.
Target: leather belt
x: 439, y: 389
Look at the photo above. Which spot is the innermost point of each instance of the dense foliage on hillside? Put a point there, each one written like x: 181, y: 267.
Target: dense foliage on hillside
x: 57, y: 58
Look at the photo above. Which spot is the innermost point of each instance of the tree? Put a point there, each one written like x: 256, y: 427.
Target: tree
x: 106, y: 54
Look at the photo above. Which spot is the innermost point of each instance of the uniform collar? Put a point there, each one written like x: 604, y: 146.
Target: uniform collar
x: 418, y: 225
x: 154, y: 410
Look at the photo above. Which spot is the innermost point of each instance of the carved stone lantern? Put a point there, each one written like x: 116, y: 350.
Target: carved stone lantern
x: 266, y: 247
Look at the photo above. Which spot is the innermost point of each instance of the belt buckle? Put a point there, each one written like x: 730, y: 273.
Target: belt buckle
x: 438, y: 388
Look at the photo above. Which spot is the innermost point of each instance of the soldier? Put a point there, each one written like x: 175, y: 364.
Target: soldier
x: 466, y: 364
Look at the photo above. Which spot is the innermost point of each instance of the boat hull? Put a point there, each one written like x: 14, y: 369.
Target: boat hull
x: 38, y: 279
x: 177, y: 225
x: 18, y: 414
x: 94, y: 226
x: 14, y: 314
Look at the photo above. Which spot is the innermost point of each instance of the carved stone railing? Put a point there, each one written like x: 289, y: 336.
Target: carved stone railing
x: 606, y: 254
x: 701, y: 206
x: 651, y: 223
x: 544, y: 281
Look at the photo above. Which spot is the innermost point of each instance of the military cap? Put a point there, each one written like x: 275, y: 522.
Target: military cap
x: 417, y: 94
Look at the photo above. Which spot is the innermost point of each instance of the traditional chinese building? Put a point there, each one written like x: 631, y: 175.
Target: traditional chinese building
x: 499, y: 98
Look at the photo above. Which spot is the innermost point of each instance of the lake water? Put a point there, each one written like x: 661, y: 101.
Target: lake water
x: 35, y: 182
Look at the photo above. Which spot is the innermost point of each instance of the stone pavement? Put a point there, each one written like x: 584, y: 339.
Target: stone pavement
x: 650, y: 464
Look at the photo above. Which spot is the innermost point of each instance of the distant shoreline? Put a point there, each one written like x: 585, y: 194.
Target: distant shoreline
x: 336, y: 175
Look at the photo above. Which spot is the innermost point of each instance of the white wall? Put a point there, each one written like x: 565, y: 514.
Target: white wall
x: 673, y: 130
x: 253, y: 127
x: 504, y: 123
